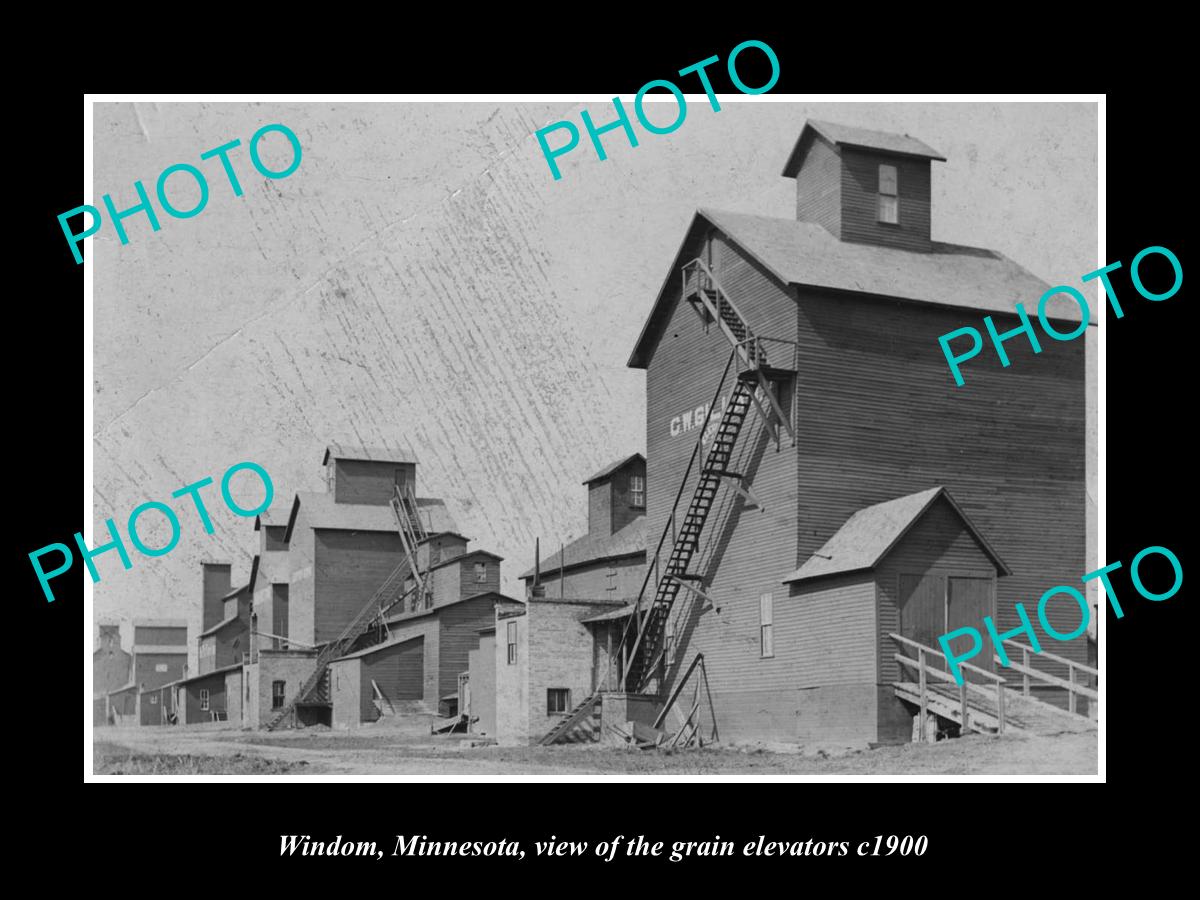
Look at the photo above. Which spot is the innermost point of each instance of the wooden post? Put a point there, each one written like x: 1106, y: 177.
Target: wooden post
x: 1025, y: 663
x: 924, y: 701
x: 1000, y: 703
x: 1071, y: 690
x: 962, y: 691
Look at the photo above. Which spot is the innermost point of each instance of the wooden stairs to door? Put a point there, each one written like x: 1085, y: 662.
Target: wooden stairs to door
x: 997, y: 708
x: 582, y: 724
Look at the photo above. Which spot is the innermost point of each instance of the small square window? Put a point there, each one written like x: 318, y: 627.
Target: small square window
x: 558, y: 700
x: 480, y: 573
x: 203, y: 698
x: 277, y: 689
x: 154, y: 699
x: 637, y: 491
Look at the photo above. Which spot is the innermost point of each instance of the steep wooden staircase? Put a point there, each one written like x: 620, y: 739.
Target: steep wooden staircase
x: 642, y: 644
x: 581, y: 725
x: 315, y: 689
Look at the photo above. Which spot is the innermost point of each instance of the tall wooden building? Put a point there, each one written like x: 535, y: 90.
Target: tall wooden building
x: 836, y: 316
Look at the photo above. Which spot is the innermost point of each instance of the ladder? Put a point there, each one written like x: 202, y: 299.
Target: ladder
x: 316, y: 687
x: 643, y: 643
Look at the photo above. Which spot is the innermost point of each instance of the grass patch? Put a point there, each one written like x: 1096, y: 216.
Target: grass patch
x: 113, y: 759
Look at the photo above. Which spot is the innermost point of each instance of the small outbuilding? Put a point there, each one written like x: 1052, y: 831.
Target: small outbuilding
x: 914, y: 566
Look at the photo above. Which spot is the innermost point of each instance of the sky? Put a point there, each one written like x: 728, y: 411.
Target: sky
x: 421, y: 281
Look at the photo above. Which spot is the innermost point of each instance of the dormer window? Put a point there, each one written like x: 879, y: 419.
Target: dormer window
x: 889, y: 201
x: 637, y: 491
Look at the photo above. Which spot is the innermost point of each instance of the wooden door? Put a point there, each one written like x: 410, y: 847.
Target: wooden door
x: 968, y: 600
x: 922, y: 615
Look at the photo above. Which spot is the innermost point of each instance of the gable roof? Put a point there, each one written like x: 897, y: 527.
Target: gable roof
x: 849, y: 136
x: 407, y: 616
x: 590, y: 548
x: 386, y: 645
x: 370, y: 454
x: 464, y: 557
x: 804, y: 253
x: 236, y: 617
x: 614, y: 467
x: 322, y: 512
x: 870, y: 534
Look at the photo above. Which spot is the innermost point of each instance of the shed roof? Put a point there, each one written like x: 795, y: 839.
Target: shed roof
x: 622, y: 612
x: 367, y: 651
x: 371, y: 454
x: 223, y: 623
x: 322, y: 512
x: 870, y: 534
x: 421, y: 613
x: 201, y: 677
x: 614, y: 467
x: 804, y: 253
x: 590, y: 548
x: 849, y: 136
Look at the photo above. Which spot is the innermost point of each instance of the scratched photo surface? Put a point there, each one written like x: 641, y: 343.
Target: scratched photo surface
x: 422, y: 282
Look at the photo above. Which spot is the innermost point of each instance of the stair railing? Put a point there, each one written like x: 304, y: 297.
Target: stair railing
x: 634, y: 622
x: 925, y: 671
x: 1073, y: 687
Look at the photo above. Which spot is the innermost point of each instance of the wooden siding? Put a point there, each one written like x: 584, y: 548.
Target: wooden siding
x: 349, y: 567
x: 272, y: 538
x: 155, y: 636
x: 819, y: 186
x: 279, y: 613
x: 398, y: 670
x: 428, y: 628
x: 593, y: 582
x: 860, y: 200
x: 216, y: 582
x: 145, y: 669
x: 110, y: 669
x: 879, y: 417
x: 459, y: 635
x: 744, y: 551
x: 600, y: 508
x: 622, y: 510
x: 825, y: 631
x: 367, y: 482
x: 468, y: 586
x: 215, y: 685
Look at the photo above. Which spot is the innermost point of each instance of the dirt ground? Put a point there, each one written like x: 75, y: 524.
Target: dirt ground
x: 390, y: 751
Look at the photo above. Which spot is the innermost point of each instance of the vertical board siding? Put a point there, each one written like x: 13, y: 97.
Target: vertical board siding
x: 860, y: 193
x: 371, y: 483
x: 459, y: 635
x: 160, y: 636
x: 744, y: 551
x: 349, y: 567
x: 819, y: 186
x: 600, y: 512
x: 622, y: 512
x: 468, y: 586
x: 880, y: 417
x: 399, y: 670
x: 428, y: 629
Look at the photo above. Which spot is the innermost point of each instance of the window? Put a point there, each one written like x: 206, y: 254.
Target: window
x: 512, y: 642
x: 154, y: 699
x: 203, y: 698
x: 277, y: 688
x: 637, y: 491
x: 160, y: 667
x: 558, y: 700
x: 766, y: 626
x: 480, y: 573
x: 889, y: 201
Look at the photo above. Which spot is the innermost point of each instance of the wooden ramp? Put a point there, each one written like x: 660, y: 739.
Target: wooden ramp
x: 991, y: 707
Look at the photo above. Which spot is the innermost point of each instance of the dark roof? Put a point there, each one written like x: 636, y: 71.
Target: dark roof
x: 848, y: 136
x: 208, y: 674
x: 622, y: 612
x: 371, y: 454
x: 463, y: 556
x: 421, y: 613
x: 869, y: 534
x: 220, y: 625
x: 614, y: 467
x: 590, y: 548
x: 321, y: 512
x: 375, y: 649
x: 235, y: 592
x: 804, y: 253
